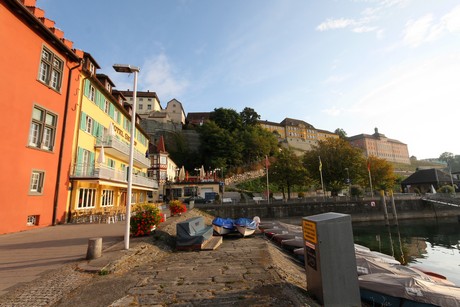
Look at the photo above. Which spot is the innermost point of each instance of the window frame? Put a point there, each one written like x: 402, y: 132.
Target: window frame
x: 42, y: 133
x: 86, y: 198
x: 51, y: 69
x: 37, y: 182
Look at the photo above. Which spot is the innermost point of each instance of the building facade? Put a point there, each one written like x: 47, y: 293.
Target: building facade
x: 378, y: 145
x: 297, y: 134
x: 100, y: 165
x: 38, y: 94
x: 147, y: 102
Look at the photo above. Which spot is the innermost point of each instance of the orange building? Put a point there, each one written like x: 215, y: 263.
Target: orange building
x: 39, y: 85
x: 378, y: 145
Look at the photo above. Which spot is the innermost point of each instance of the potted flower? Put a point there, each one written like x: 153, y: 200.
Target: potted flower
x: 177, y: 207
x: 144, y: 219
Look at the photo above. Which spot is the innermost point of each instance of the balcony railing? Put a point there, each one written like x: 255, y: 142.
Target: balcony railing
x: 119, y: 149
x: 104, y: 172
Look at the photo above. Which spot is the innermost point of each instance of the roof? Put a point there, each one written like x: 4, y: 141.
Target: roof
x: 431, y: 175
x: 23, y: 13
x: 194, y: 116
x: 266, y: 122
x: 295, y: 122
x: 375, y: 136
x: 142, y: 94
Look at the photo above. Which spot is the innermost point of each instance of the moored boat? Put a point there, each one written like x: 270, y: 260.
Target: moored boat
x: 247, y: 227
x: 292, y: 244
x: 383, y: 289
x: 223, y: 226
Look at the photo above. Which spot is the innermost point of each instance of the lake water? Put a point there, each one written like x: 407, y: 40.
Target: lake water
x: 432, y: 244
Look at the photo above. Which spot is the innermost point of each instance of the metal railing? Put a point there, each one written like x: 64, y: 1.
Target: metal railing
x: 122, y: 147
x: 83, y: 170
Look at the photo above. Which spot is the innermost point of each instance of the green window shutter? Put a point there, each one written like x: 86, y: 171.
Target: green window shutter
x: 79, y: 155
x: 83, y: 121
x: 86, y: 87
x: 111, y: 111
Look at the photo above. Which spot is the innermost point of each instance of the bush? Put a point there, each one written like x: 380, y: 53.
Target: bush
x: 447, y: 189
x: 144, y: 219
x: 356, y: 190
x: 177, y: 207
x: 300, y: 195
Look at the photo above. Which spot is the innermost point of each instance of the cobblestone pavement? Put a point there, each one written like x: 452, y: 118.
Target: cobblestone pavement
x: 241, y: 272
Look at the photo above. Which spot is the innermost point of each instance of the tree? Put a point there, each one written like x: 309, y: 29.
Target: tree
x: 382, y: 173
x: 257, y: 143
x: 219, y: 146
x: 338, y: 160
x: 341, y: 133
x: 249, y: 117
x: 287, y: 171
x: 227, y: 119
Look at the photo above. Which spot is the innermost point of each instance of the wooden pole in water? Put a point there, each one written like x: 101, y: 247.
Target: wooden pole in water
x: 393, y: 207
x: 384, y: 206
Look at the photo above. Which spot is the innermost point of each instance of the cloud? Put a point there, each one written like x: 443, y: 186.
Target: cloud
x: 425, y: 29
x: 332, y: 24
x: 332, y: 111
x: 158, y: 74
x: 337, y: 78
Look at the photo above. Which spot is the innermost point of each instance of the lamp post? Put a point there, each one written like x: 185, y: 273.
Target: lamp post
x: 123, y: 68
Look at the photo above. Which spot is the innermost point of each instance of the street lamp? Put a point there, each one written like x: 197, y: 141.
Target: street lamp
x: 123, y: 68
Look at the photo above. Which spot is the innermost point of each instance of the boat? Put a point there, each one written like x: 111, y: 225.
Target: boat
x: 284, y: 236
x: 292, y: 244
x: 386, y: 289
x: 247, y: 227
x: 223, y: 226
x: 270, y: 232
x: 300, y: 253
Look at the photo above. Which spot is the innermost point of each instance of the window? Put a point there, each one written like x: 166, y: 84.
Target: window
x: 32, y: 220
x: 141, y: 106
x: 51, y: 69
x: 36, y: 182
x: 42, y: 129
x: 149, y: 99
x: 92, y: 93
x: 89, y: 124
x: 86, y: 198
x: 141, y: 99
x: 92, y: 68
x: 106, y: 106
x: 149, y: 107
x: 116, y: 116
x: 108, y: 87
x: 107, y: 198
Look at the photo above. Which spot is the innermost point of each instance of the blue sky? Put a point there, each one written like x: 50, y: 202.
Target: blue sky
x: 355, y: 65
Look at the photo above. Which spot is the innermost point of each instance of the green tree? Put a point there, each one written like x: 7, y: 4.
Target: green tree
x: 257, y: 143
x: 341, y: 133
x: 338, y: 160
x: 249, y: 117
x: 288, y: 171
x: 227, y: 119
x: 219, y: 146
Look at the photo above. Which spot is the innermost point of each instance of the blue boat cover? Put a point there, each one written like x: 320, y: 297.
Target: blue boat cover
x: 248, y: 223
x: 227, y: 223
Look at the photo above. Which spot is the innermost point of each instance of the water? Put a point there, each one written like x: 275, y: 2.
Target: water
x: 433, y: 245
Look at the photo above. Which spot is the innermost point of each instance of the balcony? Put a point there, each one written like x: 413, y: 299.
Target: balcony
x: 120, y: 150
x: 103, y: 172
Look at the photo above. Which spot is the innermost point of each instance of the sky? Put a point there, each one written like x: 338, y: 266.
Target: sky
x: 350, y: 64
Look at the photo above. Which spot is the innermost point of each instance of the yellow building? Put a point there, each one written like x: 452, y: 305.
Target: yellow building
x: 98, y: 176
x: 297, y: 134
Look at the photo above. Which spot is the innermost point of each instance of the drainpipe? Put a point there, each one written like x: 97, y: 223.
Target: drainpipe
x: 61, y: 147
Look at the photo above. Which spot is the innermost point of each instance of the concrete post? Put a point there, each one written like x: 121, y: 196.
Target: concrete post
x: 94, y: 248
x: 384, y: 206
x: 393, y: 207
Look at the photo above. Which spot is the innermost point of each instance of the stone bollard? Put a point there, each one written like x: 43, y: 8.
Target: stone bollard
x: 94, y: 248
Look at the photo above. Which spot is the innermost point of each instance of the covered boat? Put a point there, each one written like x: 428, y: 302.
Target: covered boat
x: 383, y: 289
x: 247, y: 227
x: 223, y: 226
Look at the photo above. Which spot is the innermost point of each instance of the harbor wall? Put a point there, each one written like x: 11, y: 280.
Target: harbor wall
x: 360, y: 210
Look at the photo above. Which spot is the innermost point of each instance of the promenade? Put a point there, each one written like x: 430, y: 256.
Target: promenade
x: 46, y: 267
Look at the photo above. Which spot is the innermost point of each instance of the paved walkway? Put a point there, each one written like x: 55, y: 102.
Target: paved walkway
x: 24, y: 256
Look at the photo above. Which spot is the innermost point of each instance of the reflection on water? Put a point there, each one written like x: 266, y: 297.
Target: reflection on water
x: 432, y: 244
